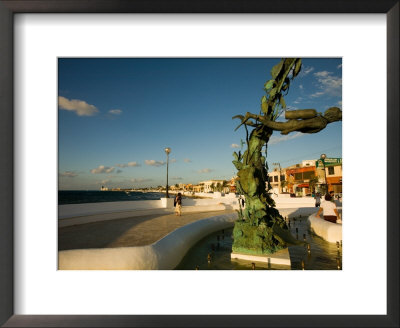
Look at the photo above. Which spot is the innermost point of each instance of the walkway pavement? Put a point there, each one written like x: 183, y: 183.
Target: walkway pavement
x: 134, y: 231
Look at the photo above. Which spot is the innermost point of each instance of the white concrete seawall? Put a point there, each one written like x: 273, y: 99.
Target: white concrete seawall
x: 164, y: 254
x: 74, y: 210
x: 331, y: 232
x: 73, y: 214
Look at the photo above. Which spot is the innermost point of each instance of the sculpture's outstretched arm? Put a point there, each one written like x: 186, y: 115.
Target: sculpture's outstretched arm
x: 306, y: 121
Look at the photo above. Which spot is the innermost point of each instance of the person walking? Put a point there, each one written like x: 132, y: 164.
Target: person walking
x: 329, y: 208
x: 317, y: 199
x: 178, y: 204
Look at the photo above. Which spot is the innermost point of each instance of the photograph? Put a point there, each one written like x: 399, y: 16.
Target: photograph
x: 181, y: 164
x: 199, y: 163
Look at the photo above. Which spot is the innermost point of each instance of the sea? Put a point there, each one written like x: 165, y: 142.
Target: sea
x: 96, y: 196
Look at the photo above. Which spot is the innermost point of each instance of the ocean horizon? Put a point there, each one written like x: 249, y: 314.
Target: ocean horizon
x: 97, y: 196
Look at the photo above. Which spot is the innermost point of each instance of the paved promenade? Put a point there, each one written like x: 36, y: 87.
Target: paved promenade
x: 135, y: 231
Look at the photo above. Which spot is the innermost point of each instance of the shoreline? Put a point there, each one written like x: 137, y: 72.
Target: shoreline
x: 67, y: 197
x: 184, y: 195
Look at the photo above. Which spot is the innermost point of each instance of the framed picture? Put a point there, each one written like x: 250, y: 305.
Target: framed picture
x: 118, y: 190
x: 199, y: 298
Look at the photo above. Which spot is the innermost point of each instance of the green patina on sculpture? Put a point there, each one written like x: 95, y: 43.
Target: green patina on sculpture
x: 260, y: 228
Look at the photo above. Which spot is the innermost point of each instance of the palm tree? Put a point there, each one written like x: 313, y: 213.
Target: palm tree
x: 312, y: 183
x: 224, y: 185
x: 284, y: 184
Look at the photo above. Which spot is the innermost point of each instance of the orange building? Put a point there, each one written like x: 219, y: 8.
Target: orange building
x: 330, y: 172
x: 334, y: 179
x: 298, y: 178
x: 232, y: 184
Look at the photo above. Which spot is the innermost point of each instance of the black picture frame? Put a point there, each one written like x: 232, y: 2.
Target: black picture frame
x: 10, y: 7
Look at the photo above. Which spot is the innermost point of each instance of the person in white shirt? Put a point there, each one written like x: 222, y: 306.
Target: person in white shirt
x: 329, y: 208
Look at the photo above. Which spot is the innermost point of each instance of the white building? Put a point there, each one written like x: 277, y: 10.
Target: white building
x: 207, y: 184
x: 308, y: 162
x: 276, y: 177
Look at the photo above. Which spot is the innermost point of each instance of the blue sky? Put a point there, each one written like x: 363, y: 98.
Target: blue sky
x: 116, y: 116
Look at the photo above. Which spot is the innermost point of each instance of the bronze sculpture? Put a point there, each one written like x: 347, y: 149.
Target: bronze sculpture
x: 260, y: 228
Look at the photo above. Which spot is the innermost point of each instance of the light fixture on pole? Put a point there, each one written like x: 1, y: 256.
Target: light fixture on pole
x: 167, y: 151
x: 323, y: 156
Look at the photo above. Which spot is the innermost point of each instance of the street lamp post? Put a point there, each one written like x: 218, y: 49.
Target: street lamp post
x: 167, y: 151
x: 323, y: 156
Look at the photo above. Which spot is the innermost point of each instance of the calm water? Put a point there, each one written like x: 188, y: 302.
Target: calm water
x: 96, y: 196
x: 323, y: 255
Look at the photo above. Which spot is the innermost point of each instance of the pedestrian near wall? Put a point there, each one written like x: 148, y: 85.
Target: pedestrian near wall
x: 178, y: 204
x: 317, y: 199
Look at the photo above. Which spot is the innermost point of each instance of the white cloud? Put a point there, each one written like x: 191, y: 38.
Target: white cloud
x: 339, y: 66
x: 187, y: 160
x: 80, y: 107
x: 130, y: 164
x: 339, y: 103
x: 235, y: 146
x: 329, y: 84
x: 103, y: 182
x: 68, y: 174
x: 152, y: 162
x: 173, y: 160
x: 297, y: 101
x: 177, y: 178
x: 308, y: 70
x: 102, y: 169
x: 317, y: 94
x: 305, y: 71
x: 133, y: 164
x: 274, y: 139
x: 322, y: 74
x: 301, y: 87
x: 204, y: 171
x: 115, y: 111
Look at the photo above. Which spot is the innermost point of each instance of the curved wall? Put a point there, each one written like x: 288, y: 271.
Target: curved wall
x: 164, y: 254
x: 87, y: 209
x: 331, y: 232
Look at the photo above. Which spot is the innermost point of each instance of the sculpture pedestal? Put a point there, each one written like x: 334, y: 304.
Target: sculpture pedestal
x: 281, y: 257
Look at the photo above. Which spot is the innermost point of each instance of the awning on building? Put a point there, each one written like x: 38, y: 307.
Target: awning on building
x: 303, y: 185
